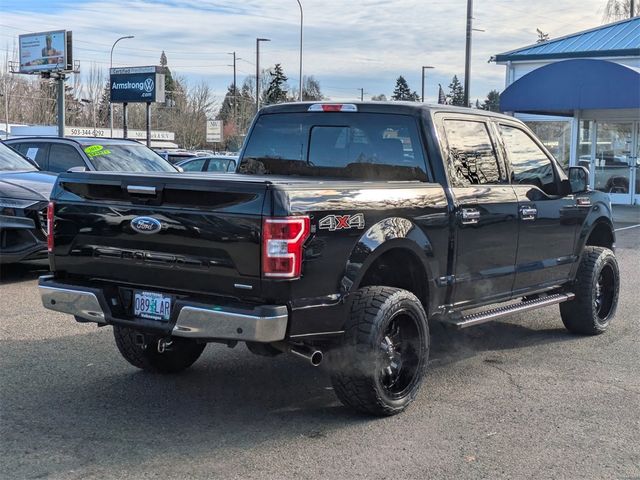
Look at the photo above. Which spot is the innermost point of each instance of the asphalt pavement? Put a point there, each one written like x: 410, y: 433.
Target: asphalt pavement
x: 519, y: 398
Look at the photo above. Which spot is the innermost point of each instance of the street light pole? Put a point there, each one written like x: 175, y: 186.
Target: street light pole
x: 301, y: 25
x: 467, y: 58
x: 258, y: 40
x: 423, y: 69
x: 110, y: 67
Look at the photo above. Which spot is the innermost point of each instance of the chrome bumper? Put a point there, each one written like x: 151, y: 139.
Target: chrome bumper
x: 262, y: 324
x: 75, y: 302
x: 198, y: 322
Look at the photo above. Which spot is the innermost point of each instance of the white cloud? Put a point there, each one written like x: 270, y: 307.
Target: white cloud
x: 348, y: 44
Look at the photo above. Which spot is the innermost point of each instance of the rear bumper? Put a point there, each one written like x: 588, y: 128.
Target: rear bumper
x: 190, y: 319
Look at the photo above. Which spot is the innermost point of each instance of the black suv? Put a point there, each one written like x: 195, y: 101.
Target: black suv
x: 56, y: 154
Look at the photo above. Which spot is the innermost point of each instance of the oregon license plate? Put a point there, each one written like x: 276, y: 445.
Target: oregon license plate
x: 152, y: 306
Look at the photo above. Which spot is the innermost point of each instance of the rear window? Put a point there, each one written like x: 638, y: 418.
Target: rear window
x: 362, y: 146
x: 125, y: 158
x: 11, y: 161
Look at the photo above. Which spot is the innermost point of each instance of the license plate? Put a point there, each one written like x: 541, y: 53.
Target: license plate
x: 152, y: 306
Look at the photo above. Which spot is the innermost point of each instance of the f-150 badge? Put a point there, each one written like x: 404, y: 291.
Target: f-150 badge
x: 341, y: 222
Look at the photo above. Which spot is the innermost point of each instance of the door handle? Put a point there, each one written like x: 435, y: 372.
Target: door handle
x: 528, y: 213
x: 470, y: 216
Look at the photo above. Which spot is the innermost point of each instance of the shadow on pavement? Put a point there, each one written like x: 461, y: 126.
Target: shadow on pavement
x: 22, y: 272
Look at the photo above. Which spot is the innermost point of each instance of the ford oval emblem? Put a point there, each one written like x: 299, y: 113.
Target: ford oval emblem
x: 146, y: 225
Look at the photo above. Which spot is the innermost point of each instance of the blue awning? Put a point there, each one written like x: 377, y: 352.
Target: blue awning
x: 562, y: 87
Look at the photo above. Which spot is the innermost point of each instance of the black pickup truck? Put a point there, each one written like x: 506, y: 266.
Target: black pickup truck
x: 345, y: 231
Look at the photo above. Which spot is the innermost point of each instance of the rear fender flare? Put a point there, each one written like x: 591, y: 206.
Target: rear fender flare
x: 390, y: 233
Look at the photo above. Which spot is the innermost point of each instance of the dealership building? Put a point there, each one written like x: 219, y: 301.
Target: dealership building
x: 581, y: 95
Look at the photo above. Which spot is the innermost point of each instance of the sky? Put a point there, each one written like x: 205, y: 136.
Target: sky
x: 348, y: 44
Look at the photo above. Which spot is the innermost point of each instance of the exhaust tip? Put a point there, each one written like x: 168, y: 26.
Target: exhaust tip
x: 316, y: 358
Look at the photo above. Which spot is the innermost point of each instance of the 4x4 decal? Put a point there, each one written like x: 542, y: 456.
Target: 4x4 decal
x: 341, y: 222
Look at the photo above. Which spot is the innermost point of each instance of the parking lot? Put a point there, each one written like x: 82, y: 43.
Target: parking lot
x: 516, y: 398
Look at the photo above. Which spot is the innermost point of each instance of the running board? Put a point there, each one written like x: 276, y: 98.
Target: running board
x: 499, y: 312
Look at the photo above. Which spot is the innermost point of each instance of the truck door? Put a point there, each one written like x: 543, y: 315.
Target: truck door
x: 548, y: 219
x: 485, y: 213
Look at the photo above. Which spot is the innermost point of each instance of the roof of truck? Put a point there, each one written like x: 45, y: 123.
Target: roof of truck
x: 381, y: 107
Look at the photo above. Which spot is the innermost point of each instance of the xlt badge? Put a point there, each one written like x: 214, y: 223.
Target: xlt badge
x: 341, y: 222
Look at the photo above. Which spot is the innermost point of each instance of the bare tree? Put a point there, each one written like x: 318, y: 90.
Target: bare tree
x: 618, y: 10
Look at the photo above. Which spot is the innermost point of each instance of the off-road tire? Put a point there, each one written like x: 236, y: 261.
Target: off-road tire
x: 181, y: 354
x: 355, y: 363
x: 581, y: 315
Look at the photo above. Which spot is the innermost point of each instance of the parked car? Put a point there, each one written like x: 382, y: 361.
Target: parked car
x: 24, y: 195
x: 346, y: 231
x: 56, y: 154
x: 219, y: 164
x: 176, y: 156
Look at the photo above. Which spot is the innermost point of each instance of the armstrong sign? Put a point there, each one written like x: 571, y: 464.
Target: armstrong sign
x: 137, y: 84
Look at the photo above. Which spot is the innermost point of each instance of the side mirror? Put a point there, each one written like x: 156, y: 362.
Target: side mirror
x: 578, y: 179
x: 79, y: 168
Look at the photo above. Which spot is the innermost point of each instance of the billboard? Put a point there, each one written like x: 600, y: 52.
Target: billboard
x: 214, y: 131
x: 137, y: 84
x: 45, y: 51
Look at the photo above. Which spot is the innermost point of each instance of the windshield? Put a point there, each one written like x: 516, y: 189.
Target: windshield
x: 126, y: 158
x: 365, y: 146
x: 11, y: 161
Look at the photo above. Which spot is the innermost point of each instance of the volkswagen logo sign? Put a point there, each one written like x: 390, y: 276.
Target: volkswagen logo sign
x: 146, y: 225
x: 148, y: 85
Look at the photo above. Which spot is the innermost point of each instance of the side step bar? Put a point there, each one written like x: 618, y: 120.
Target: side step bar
x: 498, y: 312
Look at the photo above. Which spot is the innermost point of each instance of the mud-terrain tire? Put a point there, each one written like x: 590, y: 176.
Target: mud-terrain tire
x: 379, y: 365
x: 596, y: 287
x: 180, y: 355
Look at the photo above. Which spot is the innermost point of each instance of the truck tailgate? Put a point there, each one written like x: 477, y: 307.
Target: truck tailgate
x: 176, y: 232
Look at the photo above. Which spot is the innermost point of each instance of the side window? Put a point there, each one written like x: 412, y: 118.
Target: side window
x: 194, y: 166
x: 220, y: 165
x: 529, y: 164
x: 472, y: 158
x: 63, y: 157
x: 35, y: 151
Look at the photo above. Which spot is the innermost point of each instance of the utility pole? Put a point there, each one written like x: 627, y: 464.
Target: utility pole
x: 423, y: 69
x: 301, y: 23
x: 235, y: 88
x: 6, y: 108
x: 361, y: 94
x: 467, y: 58
x: 258, y: 40
x: 632, y: 9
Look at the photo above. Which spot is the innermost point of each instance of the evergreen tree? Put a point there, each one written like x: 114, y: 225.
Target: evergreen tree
x: 456, y: 92
x: 492, y: 102
x: 402, y: 92
x: 229, y: 107
x: 169, y: 82
x: 275, y: 92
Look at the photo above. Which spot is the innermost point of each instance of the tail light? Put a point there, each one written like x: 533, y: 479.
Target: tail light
x: 50, y: 214
x: 282, y: 240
